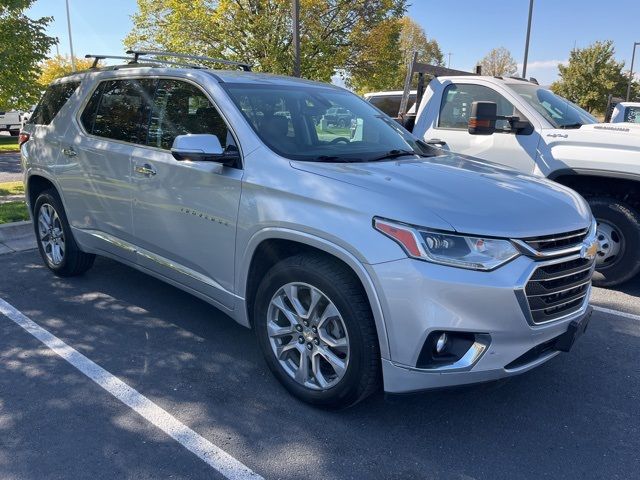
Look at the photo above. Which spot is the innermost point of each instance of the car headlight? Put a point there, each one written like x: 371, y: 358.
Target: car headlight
x: 463, y: 251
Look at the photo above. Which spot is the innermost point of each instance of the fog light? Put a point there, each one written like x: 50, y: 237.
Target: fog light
x: 441, y: 342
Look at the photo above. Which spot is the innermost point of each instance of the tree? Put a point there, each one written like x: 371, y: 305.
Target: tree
x: 23, y: 45
x: 59, y: 66
x: 335, y: 34
x: 591, y: 75
x: 499, y: 63
x: 414, y: 39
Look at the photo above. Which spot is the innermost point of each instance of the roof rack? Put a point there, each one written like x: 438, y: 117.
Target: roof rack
x: 423, y: 69
x: 143, y: 53
x: 97, y: 58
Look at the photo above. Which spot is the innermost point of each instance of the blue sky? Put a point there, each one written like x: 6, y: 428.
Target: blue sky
x: 466, y: 28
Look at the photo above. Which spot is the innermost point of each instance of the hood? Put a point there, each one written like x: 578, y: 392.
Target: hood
x: 473, y: 196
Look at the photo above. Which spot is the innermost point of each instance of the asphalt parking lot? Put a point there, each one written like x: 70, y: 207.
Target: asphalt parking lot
x: 10, y: 168
x: 574, y: 417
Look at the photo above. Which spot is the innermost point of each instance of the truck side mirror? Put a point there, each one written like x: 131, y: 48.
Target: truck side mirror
x: 483, y: 118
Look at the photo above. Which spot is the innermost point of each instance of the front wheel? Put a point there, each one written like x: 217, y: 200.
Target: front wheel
x: 315, y: 327
x: 618, y: 259
x: 55, y: 241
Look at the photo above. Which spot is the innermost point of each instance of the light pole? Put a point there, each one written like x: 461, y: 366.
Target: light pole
x: 295, y: 12
x: 73, y: 58
x: 633, y: 56
x: 526, y: 46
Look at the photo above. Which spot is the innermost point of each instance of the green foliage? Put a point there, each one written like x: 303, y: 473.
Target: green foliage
x: 499, y: 63
x: 59, y: 66
x: 23, y: 45
x: 13, y: 212
x: 8, y: 144
x: 591, y: 75
x: 358, y: 37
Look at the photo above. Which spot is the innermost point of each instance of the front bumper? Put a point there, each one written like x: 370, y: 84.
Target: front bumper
x: 419, y: 298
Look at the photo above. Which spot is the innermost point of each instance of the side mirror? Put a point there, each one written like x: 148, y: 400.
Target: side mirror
x: 483, y: 118
x: 201, y: 147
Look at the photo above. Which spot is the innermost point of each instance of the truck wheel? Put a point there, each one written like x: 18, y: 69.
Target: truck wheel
x: 315, y: 327
x: 14, y: 133
x: 55, y: 241
x: 618, y: 259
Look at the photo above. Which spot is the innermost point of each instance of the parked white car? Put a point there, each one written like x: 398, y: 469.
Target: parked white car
x: 626, y: 112
x: 517, y: 123
x: 11, y: 122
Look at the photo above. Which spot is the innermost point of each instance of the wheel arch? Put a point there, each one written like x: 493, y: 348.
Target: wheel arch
x: 36, y: 184
x: 274, y: 244
x: 620, y: 185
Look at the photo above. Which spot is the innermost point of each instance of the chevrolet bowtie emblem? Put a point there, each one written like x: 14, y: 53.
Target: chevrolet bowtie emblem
x: 589, y: 251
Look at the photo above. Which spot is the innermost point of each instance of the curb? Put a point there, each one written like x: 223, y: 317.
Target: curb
x: 16, y: 237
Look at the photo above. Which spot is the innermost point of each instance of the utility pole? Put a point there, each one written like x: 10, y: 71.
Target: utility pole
x: 526, y: 46
x: 633, y: 56
x: 449, y: 61
x: 73, y: 58
x: 295, y: 12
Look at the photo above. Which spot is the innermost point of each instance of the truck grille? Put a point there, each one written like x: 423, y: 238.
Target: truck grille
x: 558, y: 289
x: 556, y: 242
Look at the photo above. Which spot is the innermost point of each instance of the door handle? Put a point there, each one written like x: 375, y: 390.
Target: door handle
x: 69, y: 152
x: 146, y: 170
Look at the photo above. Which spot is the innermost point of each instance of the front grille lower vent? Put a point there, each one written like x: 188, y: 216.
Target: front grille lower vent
x: 557, y: 242
x: 558, y: 289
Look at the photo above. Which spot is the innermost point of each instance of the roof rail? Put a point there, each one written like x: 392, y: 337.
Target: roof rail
x: 143, y: 53
x: 97, y: 58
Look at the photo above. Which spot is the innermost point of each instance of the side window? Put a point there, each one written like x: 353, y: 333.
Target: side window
x: 180, y: 108
x: 632, y: 115
x: 456, y: 105
x: 119, y: 109
x: 52, y: 101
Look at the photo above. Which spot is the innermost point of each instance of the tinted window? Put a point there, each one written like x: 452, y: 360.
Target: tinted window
x: 119, y: 109
x: 390, y: 104
x: 456, y: 105
x: 180, y: 108
x: 52, y: 101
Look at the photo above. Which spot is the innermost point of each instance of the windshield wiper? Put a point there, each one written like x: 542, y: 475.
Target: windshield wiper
x: 571, y: 125
x: 395, y: 154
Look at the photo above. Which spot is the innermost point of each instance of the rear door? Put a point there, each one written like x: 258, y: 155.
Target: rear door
x: 185, y: 213
x: 450, y: 126
x: 97, y: 182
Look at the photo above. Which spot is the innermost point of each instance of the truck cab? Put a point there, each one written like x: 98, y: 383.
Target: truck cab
x: 628, y: 112
x: 517, y: 123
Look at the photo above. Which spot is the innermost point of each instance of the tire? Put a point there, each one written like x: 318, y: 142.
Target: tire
x: 619, y: 237
x: 14, y: 133
x: 353, y: 322
x: 69, y: 260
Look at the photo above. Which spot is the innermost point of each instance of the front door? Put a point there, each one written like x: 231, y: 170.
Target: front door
x: 185, y: 213
x: 505, y: 147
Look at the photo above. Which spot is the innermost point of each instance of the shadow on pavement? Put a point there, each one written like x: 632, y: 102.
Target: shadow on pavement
x: 575, y: 417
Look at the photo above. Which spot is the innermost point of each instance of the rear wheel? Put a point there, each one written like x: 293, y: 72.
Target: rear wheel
x: 618, y: 259
x: 55, y: 241
x: 14, y: 133
x: 315, y: 327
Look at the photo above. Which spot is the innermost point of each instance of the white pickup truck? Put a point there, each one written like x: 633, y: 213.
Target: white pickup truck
x: 517, y: 123
x: 626, y: 112
x: 11, y: 122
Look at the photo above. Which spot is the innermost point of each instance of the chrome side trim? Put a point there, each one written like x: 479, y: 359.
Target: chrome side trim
x: 165, y: 262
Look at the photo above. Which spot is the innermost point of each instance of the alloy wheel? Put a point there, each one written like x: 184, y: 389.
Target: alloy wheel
x: 51, y: 234
x: 308, y: 336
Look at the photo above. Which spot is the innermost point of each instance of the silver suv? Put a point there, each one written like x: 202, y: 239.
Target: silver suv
x: 357, y: 261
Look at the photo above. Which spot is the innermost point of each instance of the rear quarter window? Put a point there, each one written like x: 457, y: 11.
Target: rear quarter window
x: 52, y: 101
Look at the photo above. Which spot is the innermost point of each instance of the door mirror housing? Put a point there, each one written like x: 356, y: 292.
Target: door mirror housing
x: 202, y: 147
x: 483, y: 118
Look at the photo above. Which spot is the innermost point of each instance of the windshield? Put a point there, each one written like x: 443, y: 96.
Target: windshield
x: 632, y: 115
x: 560, y: 112
x: 315, y: 123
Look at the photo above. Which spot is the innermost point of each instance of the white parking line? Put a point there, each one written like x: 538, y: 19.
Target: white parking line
x: 630, y: 316
x: 217, y: 458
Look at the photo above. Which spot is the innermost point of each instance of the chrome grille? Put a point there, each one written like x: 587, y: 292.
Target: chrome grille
x: 556, y: 242
x: 558, y: 289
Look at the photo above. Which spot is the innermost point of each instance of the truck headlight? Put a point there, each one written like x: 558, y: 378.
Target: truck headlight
x: 463, y: 251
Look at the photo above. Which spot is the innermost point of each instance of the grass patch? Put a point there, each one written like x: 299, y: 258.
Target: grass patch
x: 9, y: 144
x: 13, y: 212
x: 11, y: 188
